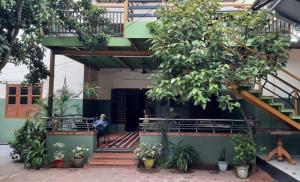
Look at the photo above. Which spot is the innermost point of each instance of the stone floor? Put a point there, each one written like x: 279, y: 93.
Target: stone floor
x: 291, y: 170
x: 14, y: 172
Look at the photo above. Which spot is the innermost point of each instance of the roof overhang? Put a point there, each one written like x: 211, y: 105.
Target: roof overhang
x: 287, y: 9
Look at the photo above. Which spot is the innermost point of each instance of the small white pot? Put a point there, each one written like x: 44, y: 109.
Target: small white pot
x: 223, y: 165
x: 242, y: 171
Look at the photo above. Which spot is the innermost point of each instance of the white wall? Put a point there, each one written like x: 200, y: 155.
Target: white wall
x: 64, y: 67
x: 293, y: 66
x: 120, y: 78
x: 116, y: 78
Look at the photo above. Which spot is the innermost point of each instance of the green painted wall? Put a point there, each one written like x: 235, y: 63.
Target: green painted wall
x: 71, y: 141
x: 8, y: 126
x: 137, y: 30
x: 264, y: 139
x: 208, y: 147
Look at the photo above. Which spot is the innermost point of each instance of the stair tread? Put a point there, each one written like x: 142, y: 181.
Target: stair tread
x: 266, y: 97
x: 112, y: 162
x: 287, y: 110
x: 114, y: 155
x: 276, y: 104
x: 296, y: 117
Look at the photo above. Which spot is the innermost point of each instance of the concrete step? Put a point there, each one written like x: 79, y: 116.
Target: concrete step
x: 288, y: 112
x: 267, y: 99
x: 246, y: 86
x: 112, y: 155
x: 111, y: 162
x: 277, y: 105
x: 256, y: 93
x: 296, y: 118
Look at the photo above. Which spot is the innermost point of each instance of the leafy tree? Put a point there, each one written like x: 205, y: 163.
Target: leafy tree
x: 23, y: 23
x: 203, y: 52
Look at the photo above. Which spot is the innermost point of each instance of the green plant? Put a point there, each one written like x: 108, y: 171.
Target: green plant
x: 148, y: 151
x: 244, y: 150
x: 20, y: 142
x: 182, y: 158
x: 25, y: 23
x: 222, y: 156
x: 32, y: 130
x: 35, y: 155
x: 202, y: 52
x: 79, y: 152
x: 59, y: 154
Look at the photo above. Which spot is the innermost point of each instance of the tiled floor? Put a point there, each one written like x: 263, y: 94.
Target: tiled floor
x: 292, y: 170
x: 12, y: 172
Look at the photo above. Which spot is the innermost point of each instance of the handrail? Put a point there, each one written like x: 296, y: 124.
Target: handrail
x: 294, y: 95
x: 286, y: 83
x: 69, y: 123
x: 291, y: 74
x: 195, y: 125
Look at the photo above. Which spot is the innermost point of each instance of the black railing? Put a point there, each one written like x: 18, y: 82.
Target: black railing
x: 196, y: 125
x: 115, y: 18
x: 289, y: 95
x: 69, y: 124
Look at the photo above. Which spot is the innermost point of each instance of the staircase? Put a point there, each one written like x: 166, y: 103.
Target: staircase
x: 119, y: 152
x: 113, y: 158
x: 283, y: 108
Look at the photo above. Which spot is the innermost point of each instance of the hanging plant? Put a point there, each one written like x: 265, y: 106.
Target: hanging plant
x: 91, y: 90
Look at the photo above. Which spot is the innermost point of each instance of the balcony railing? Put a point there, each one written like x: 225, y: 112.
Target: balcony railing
x: 195, y: 125
x: 116, y: 27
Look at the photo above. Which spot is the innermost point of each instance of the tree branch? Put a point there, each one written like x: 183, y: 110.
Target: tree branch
x: 13, y: 33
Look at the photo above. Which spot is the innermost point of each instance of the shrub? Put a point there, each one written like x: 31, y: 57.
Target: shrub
x: 35, y: 155
x: 59, y: 154
x: 148, y: 151
x: 182, y: 158
x: 244, y: 150
x: 79, y: 152
x: 29, y: 144
x: 222, y: 156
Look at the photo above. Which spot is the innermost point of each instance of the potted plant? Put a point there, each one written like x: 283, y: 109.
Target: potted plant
x: 59, y: 155
x: 244, y: 153
x: 222, y: 163
x: 148, y: 152
x: 79, y: 154
x: 183, y: 157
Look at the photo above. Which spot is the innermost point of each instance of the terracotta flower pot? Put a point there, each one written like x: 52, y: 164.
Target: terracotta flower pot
x: 149, y: 163
x: 77, y: 163
x: 59, y: 163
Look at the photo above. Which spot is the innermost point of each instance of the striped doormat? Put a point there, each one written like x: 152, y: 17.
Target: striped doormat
x: 125, y: 140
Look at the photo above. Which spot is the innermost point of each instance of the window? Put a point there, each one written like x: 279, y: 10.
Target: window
x: 21, y: 100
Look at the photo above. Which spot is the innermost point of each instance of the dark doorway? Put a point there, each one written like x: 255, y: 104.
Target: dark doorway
x: 127, y: 107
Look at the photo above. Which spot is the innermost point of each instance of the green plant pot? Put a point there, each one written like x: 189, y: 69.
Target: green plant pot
x: 149, y: 163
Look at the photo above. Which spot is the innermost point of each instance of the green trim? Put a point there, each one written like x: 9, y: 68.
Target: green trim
x: 74, y: 42
x: 137, y: 30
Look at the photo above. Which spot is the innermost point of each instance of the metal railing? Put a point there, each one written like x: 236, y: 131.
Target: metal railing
x: 195, y: 125
x: 289, y: 93
x: 69, y: 124
x: 115, y: 18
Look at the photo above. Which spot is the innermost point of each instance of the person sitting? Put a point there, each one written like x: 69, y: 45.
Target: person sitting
x: 101, y: 127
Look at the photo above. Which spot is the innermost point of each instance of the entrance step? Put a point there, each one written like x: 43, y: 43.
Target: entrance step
x: 124, y: 158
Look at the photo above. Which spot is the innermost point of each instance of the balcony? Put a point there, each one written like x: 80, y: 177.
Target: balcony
x: 122, y: 15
